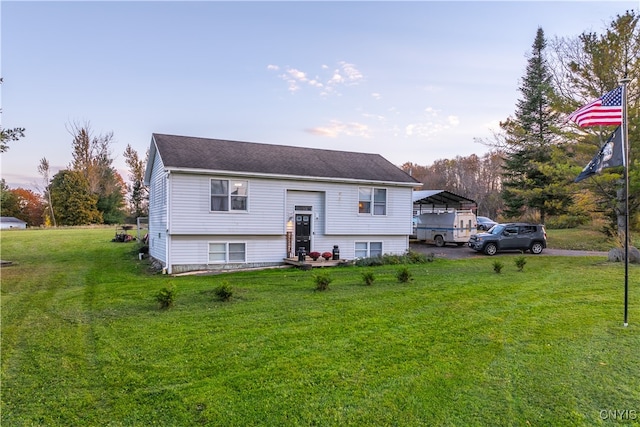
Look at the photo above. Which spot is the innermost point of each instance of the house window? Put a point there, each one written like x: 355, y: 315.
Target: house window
x: 229, y: 195
x: 372, y: 201
x: 222, y: 252
x: 368, y: 249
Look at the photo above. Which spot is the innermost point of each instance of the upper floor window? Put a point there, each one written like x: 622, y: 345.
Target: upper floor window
x: 372, y: 201
x: 229, y: 195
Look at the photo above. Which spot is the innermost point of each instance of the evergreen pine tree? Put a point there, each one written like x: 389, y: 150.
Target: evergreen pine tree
x: 530, y: 143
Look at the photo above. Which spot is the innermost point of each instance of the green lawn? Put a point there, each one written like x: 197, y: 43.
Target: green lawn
x: 582, y: 238
x: 84, y: 343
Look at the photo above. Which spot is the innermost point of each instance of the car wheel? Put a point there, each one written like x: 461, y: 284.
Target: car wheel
x: 536, y: 248
x: 490, y: 249
x: 439, y: 241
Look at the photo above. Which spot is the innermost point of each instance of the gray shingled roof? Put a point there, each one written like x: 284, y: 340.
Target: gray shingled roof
x: 236, y: 156
x: 11, y: 220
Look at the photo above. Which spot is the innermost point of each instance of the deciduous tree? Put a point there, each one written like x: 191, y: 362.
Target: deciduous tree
x: 73, y: 202
x: 9, y: 135
x: 31, y: 206
x: 138, y: 192
x: 586, y: 68
x: 43, y: 169
x: 92, y: 158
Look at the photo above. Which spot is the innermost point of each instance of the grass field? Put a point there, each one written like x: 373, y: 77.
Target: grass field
x: 582, y: 238
x: 84, y: 343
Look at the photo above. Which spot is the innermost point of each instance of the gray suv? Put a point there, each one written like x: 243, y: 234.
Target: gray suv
x: 511, y: 236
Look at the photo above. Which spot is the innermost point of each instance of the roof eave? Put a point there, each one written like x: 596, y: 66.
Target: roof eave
x: 289, y: 177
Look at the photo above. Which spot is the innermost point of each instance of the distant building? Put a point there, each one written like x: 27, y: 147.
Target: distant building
x: 7, y: 222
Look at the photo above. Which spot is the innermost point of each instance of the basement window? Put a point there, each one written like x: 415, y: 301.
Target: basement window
x: 227, y: 252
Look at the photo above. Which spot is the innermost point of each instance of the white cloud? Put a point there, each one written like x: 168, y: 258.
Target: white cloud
x: 337, y: 128
x: 345, y: 74
x: 297, y: 74
x: 337, y: 78
x: 432, y: 124
x: 353, y: 75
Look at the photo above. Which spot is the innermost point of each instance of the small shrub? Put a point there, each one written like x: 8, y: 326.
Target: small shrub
x: 521, y: 262
x: 368, y: 262
x: 410, y: 257
x: 368, y: 278
x: 322, y: 281
x: 497, y: 266
x: 327, y: 255
x: 166, y: 297
x: 404, y: 275
x: 223, y: 292
x: 314, y: 255
x: 415, y: 257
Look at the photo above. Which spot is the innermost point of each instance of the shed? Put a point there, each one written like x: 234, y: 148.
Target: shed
x: 7, y: 222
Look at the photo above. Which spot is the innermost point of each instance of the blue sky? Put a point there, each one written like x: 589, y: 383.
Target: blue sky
x: 413, y: 81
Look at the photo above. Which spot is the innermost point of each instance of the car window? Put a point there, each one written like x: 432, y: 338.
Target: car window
x: 512, y: 230
x: 527, y: 229
x: 496, y: 229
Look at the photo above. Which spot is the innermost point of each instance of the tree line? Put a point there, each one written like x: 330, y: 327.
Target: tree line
x: 527, y: 174
x: 89, y: 191
x: 536, y: 154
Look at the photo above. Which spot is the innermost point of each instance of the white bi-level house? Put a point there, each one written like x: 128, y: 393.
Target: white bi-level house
x: 218, y: 204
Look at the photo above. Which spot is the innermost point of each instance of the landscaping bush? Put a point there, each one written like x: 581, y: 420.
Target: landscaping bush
x: 521, y: 262
x: 497, y: 266
x: 409, y: 257
x: 322, y: 281
x: 368, y: 278
x: 223, y: 292
x: 404, y: 275
x: 166, y: 297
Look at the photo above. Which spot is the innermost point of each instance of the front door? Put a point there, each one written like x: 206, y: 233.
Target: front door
x: 303, y: 232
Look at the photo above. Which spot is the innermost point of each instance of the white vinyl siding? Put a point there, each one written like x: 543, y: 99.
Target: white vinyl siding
x: 191, y: 213
x: 158, y: 211
x: 192, y: 225
x: 269, y: 208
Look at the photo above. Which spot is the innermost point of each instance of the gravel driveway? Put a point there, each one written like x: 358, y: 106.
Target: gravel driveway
x: 460, y: 252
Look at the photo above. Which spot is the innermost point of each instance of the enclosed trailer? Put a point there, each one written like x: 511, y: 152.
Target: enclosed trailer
x: 440, y: 226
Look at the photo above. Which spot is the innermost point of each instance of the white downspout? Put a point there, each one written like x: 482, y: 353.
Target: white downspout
x: 168, y: 231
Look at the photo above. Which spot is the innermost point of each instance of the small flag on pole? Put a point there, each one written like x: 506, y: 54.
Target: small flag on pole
x: 604, y: 111
x: 610, y: 155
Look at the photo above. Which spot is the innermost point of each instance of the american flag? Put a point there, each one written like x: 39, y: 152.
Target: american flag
x: 604, y: 111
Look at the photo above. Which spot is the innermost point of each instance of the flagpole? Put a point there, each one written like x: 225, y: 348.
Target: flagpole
x: 625, y: 145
